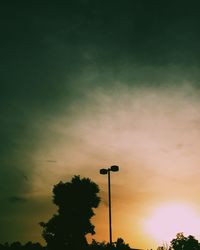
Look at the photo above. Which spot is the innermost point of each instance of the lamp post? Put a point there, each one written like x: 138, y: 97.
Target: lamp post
x: 104, y: 171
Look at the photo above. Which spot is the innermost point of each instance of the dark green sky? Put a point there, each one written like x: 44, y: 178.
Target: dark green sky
x: 56, y: 56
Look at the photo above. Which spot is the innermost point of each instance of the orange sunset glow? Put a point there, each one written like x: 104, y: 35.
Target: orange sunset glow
x: 169, y: 219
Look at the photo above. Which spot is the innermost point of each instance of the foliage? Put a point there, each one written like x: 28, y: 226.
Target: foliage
x: 185, y: 243
x: 119, y: 245
x: 18, y: 246
x: 69, y: 226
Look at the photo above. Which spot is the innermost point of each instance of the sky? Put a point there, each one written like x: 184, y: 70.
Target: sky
x: 89, y: 84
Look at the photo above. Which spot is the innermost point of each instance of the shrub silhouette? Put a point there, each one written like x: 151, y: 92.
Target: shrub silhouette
x: 18, y: 246
x: 118, y: 245
x: 69, y: 226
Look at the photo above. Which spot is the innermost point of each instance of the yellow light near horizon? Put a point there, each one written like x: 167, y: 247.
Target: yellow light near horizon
x: 170, y: 219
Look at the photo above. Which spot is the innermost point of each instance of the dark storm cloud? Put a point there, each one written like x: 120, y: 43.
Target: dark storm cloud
x: 46, y: 45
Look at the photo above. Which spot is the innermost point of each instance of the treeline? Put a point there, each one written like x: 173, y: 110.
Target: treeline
x: 18, y: 246
x: 119, y: 245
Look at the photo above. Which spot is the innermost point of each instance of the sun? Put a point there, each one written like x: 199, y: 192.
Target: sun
x: 168, y: 220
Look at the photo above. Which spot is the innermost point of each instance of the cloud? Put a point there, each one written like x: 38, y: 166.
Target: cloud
x: 128, y: 125
x: 17, y: 199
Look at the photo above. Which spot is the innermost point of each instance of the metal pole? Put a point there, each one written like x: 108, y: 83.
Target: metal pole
x: 109, y: 203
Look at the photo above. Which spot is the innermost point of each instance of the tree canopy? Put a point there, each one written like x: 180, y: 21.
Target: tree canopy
x: 69, y: 226
x: 185, y: 243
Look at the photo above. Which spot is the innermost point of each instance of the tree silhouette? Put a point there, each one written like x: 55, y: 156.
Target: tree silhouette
x: 185, y: 243
x: 69, y: 226
x: 118, y: 245
x: 121, y: 245
x: 16, y: 246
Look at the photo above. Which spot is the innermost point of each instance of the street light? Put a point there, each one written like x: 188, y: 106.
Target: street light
x: 104, y: 171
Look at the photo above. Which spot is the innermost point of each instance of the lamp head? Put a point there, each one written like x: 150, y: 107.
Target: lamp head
x: 103, y: 171
x: 114, y: 168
